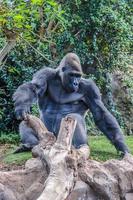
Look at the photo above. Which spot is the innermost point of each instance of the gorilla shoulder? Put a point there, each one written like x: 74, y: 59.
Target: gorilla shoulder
x: 89, y: 88
x: 40, y: 79
x: 44, y: 73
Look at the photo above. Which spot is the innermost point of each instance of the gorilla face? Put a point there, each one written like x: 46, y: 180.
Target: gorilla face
x: 71, y: 80
x: 70, y: 72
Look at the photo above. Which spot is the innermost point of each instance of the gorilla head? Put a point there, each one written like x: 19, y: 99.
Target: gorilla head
x: 70, y: 72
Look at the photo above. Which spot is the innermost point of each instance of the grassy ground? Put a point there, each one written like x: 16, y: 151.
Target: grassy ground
x: 18, y: 159
x: 9, y: 161
x: 101, y: 150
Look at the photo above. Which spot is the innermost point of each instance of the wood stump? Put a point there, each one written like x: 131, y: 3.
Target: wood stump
x: 58, y: 171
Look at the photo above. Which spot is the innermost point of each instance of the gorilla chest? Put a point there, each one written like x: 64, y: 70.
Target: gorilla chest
x: 53, y: 112
x: 59, y: 95
x: 58, y: 101
x: 53, y: 107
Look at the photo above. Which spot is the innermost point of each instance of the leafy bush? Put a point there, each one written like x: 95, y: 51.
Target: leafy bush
x: 12, y: 75
x: 10, y: 138
x: 98, y: 31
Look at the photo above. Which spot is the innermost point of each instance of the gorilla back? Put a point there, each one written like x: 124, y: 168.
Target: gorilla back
x: 60, y: 92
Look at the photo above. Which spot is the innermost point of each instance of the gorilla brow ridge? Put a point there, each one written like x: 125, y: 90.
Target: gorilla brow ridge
x: 70, y: 61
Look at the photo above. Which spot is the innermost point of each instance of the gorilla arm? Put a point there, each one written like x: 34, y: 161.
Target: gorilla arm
x: 27, y: 93
x: 104, y: 120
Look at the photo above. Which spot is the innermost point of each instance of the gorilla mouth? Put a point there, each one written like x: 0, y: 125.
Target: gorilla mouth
x: 76, y: 89
x: 73, y: 89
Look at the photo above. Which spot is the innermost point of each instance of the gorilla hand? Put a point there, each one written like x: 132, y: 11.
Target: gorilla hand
x: 21, y: 113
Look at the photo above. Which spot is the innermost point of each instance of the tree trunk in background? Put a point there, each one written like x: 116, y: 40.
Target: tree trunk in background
x: 60, y: 172
x: 6, y: 49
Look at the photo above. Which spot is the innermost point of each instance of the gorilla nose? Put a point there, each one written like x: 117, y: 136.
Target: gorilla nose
x: 76, y: 84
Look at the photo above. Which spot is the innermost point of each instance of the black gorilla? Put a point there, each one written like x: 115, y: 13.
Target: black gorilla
x: 60, y: 92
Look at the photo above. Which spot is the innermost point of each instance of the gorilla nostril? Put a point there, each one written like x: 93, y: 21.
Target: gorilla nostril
x: 75, y: 84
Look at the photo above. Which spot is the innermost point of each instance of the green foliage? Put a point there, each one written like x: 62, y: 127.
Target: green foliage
x: 35, y: 110
x: 10, y: 138
x: 25, y: 15
x: 11, y: 76
x: 91, y: 127
x: 98, y: 31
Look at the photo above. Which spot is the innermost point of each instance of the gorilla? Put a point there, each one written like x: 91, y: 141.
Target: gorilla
x: 59, y: 92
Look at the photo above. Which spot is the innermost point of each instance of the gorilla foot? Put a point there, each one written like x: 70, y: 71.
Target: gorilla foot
x: 22, y: 148
x: 122, y: 155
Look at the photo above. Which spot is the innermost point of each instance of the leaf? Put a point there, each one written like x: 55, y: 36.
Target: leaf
x: 52, y: 3
x: 18, y: 17
x: 37, y: 2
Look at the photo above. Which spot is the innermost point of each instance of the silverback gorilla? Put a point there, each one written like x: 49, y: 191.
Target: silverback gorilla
x: 60, y: 92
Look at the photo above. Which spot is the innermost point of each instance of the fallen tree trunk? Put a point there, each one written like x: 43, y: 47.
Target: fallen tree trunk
x: 60, y: 172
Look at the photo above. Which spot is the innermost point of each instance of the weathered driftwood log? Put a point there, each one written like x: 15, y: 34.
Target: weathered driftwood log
x: 60, y: 172
x: 61, y: 177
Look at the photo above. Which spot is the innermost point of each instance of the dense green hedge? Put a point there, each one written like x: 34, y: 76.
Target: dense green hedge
x: 99, y: 31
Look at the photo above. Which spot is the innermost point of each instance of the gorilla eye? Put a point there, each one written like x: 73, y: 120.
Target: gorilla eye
x: 63, y: 69
x: 78, y: 75
x: 72, y: 75
x: 75, y: 75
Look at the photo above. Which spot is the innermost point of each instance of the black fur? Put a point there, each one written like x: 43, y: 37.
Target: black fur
x: 56, y: 100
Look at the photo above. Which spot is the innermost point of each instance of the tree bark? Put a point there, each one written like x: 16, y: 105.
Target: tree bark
x: 6, y: 49
x: 61, y: 178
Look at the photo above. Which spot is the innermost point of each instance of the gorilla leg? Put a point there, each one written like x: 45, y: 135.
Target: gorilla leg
x: 80, y: 134
x: 28, y: 138
x: 27, y: 135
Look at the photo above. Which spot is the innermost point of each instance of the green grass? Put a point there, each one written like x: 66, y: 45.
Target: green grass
x: 102, y: 150
x: 18, y: 159
x: 100, y: 147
